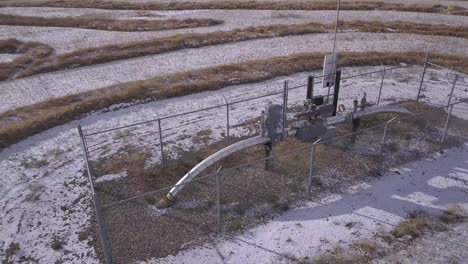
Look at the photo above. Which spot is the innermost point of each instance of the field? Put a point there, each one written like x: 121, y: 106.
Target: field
x: 148, y: 81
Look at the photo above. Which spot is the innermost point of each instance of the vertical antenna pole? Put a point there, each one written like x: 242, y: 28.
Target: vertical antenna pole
x: 336, y: 25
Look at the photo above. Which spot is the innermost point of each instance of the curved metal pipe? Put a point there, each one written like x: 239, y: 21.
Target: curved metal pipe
x: 170, y: 197
x: 335, y: 120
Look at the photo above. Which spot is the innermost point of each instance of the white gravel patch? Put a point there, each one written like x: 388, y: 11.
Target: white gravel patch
x: 112, y: 177
x: 45, y: 198
x: 8, y: 57
x: 69, y: 39
x: 41, y: 87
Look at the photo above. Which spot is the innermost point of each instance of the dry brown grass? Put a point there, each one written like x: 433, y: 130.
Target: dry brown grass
x: 109, y: 53
x: 31, y: 52
x: 22, y: 122
x: 9, y: 46
x: 106, y: 24
x: 231, y: 5
x: 413, y: 227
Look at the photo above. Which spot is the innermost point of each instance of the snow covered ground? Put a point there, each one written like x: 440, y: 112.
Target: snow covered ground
x: 44, y: 191
x: 70, y: 39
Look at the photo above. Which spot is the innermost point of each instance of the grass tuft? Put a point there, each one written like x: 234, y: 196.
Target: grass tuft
x: 106, y: 24
x: 242, y: 5
x: 30, y: 53
x: 414, y: 227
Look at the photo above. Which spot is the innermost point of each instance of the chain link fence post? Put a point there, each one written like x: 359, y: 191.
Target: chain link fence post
x: 161, y: 143
x: 311, y: 165
x: 381, y: 84
x: 218, y: 201
x: 450, y: 109
x: 422, y: 78
x: 384, y: 137
x: 447, y: 122
x: 227, y: 120
x: 285, y: 106
x: 102, y: 226
x: 382, y: 145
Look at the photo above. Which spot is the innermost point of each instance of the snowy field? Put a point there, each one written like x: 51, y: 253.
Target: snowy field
x: 47, y: 169
x: 45, y: 86
x: 45, y: 198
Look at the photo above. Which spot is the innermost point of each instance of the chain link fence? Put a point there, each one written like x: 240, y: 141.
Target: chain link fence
x: 254, y: 184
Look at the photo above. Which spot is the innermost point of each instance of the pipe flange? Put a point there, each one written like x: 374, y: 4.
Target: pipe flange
x: 166, y: 202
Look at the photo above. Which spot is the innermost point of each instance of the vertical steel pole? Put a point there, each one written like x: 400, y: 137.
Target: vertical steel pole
x: 422, y: 78
x: 102, y: 226
x: 85, y: 150
x: 385, y: 131
x: 449, y: 104
x: 268, y: 147
x: 447, y: 121
x: 336, y: 91
x: 311, y: 165
x: 227, y: 124
x: 336, y: 25
x: 451, y: 91
x: 163, y: 159
x: 218, y: 201
x: 310, y: 87
x: 285, y: 105
x: 227, y: 120
x: 381, y: 84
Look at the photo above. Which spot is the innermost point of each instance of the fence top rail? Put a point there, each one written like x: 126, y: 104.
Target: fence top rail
x: 308, y: 146
x: 233, y: 102
x: 451, y: 70
x: 184, y: 113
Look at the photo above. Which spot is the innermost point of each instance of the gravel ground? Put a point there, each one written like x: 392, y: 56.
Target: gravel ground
x: 340, y: 220
x: 41, y: 87
x: 70, y: 39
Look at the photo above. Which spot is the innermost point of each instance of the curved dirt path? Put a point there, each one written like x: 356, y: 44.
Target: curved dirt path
x: 41, y: 87
x: 69, y: 39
